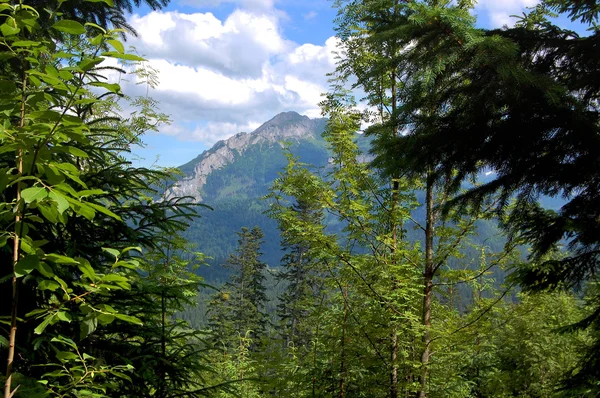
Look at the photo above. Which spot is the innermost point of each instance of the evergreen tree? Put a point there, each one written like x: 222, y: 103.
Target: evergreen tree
x: 304, y: 281
x: 239, y: 308
x: 376, y: 40
x: 522, y: 102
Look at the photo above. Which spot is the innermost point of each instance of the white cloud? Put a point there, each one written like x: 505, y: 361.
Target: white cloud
x: 248, y: 4
x: 499, y: 11
x: 237, y: 46
x: 214, y: 131
x: 310, y: 15
x: 220, y: 77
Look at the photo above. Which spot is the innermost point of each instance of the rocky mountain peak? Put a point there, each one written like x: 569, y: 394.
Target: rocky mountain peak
x: 284, y: 118
x: 286, y: 126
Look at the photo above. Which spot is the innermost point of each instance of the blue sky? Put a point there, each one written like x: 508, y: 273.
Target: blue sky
x: 227, y: 66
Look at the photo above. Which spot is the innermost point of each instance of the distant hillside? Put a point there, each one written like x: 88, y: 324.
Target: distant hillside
x: 234, y: 174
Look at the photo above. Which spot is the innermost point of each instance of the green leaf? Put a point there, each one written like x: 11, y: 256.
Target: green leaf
x: 132, y: 248
x: 114, y: 278
x: 49, y: 115
x: 61, y: 203
x: 42, y: 326
x: 64, y: 340
x: 69, y: 26
x: 45, y: 270
x: 25, y: 43
x: 26, y: 246
x: 65, y: 75
x: 49, y: 213
x: 129, y: 319
x: 89, y: 192
x: 26, y: 265
x: 34, y: 81
x: 48, y: 285
x: 115, y: 253
x: 117, y: 45
x: 76, y: 151
x: 110, y: 3
x: 36, y: 312
x: 62, y: 283
x: 53, y: 81
x: 61, y: 54
x: 104, y: 210
x: 60, y: 259
x: 65, y: 356
x: 51, y: 70
x: 100, y: 28
x: 112, y: 87
x: 87, y: 327
x: 96, y: 40
x: 35, y: 193
x: 89, y: 63
x: 105, y: 319
x: 86, y: 269
x: 125, y: 57
x: 121, y: 375
x: 64, y: 316
x: 84, y: 210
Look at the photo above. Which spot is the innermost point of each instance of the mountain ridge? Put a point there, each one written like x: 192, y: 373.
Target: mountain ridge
x: 285, y: 126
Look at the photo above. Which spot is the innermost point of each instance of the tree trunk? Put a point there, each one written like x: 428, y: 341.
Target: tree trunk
x: 427, y: 284
x: 16, y: 254
x: 343, y: 345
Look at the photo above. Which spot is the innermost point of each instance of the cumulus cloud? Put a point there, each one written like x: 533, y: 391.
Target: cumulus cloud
x: 499, y: 12
x: 237, y: 46
x: 220, y: 77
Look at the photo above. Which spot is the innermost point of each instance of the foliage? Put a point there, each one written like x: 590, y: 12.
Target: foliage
x: 521, y: 101
x: 77, y: 219
x: 238, y: 309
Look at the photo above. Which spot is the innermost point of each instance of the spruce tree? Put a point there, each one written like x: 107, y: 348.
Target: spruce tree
x: 239, y: 308
x: 303, y: 278
x: 521, y: 102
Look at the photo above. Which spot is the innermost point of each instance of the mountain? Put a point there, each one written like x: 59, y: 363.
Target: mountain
x: 287, y: 127
x: 234, y: 174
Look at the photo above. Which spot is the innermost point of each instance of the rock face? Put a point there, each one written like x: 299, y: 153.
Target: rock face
x: 287, y: 126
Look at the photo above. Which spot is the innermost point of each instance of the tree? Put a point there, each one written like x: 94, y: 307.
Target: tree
x: 377, y: 38
x: 238, y: 308
x: 304, y: 281
x: 107, y: 14
x: 523, y: 103
x: 356, y: 253
x: 170, y: 358
x: 74, y: 211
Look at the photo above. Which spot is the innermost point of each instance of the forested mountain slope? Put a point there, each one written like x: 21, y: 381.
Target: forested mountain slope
x: 235, y: 174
